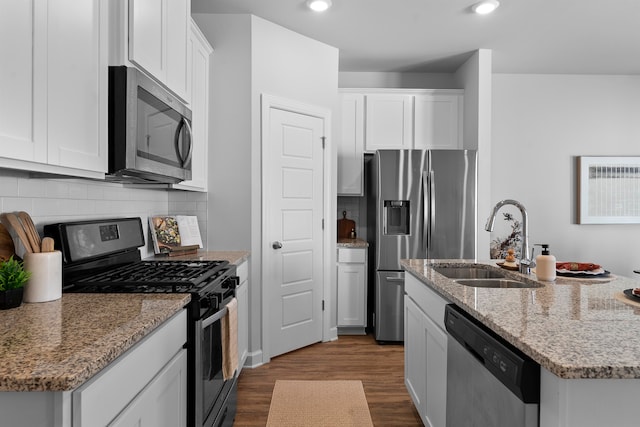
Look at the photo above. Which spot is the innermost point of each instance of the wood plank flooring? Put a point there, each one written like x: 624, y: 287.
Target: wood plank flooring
x: 379, y: 367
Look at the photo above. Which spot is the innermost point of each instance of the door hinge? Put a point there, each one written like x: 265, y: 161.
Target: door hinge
x: 323, y: 223
x: 322, y: 305
x: 324, y: 140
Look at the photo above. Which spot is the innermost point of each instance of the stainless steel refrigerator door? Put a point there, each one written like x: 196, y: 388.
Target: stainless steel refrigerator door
x: 451, y: 227
x: 398, y: 186
x: 389, y: 313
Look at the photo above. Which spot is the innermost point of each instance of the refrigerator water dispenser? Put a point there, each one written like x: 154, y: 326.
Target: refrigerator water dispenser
x: 396, y: 217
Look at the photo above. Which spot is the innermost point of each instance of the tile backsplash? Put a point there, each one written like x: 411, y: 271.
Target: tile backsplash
x: 50, y: 200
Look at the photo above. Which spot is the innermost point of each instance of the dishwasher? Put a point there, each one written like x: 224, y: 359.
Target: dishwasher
x: 490, y: 383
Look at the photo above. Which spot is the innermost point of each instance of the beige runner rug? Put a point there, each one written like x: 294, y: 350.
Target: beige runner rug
x: 319, y: 404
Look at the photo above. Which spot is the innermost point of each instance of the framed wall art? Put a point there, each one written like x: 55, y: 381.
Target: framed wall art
x: 608, y: 190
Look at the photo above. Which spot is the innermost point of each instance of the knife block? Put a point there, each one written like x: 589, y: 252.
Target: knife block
x: 45, y: 283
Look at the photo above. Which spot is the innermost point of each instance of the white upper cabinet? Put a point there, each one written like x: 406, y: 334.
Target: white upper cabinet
x: 438, y: 120
x: 53, y: 80
x: 158, y: 39
x: 351, y: 145
x: 375, y: 119
x: 77, y: 84
x: 199, y: 56
x: 388, y: 121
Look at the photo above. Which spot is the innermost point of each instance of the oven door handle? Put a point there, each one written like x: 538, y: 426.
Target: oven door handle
x: 213, y: 319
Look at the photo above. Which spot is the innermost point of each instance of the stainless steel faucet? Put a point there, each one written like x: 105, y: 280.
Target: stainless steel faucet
x: 525, y: 262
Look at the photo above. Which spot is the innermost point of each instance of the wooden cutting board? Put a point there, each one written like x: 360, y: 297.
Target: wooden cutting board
x: 345, y: 226
x: 6, y: 244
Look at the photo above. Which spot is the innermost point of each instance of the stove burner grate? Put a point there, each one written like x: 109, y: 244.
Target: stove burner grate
x: 155, y: 274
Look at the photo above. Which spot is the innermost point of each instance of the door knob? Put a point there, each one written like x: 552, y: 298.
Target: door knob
x: 276, y: 245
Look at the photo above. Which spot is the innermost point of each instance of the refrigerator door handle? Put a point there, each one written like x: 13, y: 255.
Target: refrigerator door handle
x: 425, y: 210
x: 432, y: 205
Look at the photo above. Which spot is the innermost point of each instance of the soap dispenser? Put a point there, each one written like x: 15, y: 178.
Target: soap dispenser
x: 545, y: 265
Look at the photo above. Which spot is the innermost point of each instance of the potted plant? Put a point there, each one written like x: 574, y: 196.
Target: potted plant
x: 13, y: 276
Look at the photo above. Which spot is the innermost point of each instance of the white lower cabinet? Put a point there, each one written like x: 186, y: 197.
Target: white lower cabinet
x: 425, y: 348
x: 352, y: 290
x: 144, y: 387
x: 242, y: 295
x: 162, y: 402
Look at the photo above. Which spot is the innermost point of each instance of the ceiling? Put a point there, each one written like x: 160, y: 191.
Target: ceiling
x: 525, y: 36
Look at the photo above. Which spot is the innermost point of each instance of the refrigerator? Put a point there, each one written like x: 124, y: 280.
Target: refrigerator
x: 420, y: 204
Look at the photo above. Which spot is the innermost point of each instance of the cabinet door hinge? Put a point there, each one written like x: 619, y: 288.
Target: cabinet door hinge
x: 322, y: 305
x: 323, y: 223
x: 324, y: 140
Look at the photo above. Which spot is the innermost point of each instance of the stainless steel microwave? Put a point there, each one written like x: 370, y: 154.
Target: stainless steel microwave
x: 150, y: 135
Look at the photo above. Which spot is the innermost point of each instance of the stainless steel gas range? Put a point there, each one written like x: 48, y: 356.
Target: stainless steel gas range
x: 102, y: 256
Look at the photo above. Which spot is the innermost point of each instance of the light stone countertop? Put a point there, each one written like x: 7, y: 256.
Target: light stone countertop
x: 352, y: 243
x: 58, y: 345
x: 575, y: 328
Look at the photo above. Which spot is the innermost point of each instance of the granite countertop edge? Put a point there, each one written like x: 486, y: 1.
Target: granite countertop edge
x: 58, y: 345
x: 352, y: 243
x: 571, y: 343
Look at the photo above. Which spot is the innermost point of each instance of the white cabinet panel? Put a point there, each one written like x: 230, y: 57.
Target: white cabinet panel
x: 199, y: 57
x: 146, y: 34
x: 351, y: 145
x: 77, y: 84
x: 388, y: 121
x: 242, y: 294
x: 158, y: 32
x: 352, y: 290
x: 163, y: 402
x: 23, y: 79
x: 438, y: 121
x: 425, y: 351
x: 53, y: 108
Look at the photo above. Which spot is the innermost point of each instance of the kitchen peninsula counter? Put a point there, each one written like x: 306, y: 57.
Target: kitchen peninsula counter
x: 58, y: 345
x: 582, y: 332
x: 575, y: 328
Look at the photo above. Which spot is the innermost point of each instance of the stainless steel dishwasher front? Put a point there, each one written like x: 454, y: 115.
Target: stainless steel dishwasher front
x: 490, y: 383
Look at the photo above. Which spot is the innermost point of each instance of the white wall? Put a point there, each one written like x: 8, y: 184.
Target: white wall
x: 540, y: 123
x: 254, y: 57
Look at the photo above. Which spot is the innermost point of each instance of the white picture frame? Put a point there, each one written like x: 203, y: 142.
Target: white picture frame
x: 608, y: 190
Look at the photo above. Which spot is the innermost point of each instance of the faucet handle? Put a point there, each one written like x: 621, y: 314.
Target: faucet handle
x: 525, y: 266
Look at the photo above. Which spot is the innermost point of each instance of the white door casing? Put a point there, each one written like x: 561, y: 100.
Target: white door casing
x: 293, y: 237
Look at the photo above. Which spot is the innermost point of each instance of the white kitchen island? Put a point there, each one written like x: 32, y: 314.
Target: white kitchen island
x: 583, y: 333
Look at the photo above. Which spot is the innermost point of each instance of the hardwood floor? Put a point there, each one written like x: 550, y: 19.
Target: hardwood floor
x: 379, y: 367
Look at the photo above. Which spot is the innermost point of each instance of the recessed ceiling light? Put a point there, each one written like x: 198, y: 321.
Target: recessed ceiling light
x: 485, y: 6
x: 319, y: 5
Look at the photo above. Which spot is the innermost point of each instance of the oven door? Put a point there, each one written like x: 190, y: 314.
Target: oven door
x: 212, y: 391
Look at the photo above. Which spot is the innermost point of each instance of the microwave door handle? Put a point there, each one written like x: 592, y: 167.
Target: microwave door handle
x: 184, y: 122
x: 190, y: 133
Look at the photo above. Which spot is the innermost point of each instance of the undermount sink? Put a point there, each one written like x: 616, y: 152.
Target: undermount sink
x: 468, y: 273
x: 495, y: 283
x: 479, y: 277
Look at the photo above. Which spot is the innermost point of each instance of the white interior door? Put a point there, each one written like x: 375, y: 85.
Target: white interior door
x: 293, y: 234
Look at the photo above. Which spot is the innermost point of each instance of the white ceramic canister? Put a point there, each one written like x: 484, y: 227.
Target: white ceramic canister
x: 45, y: 283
